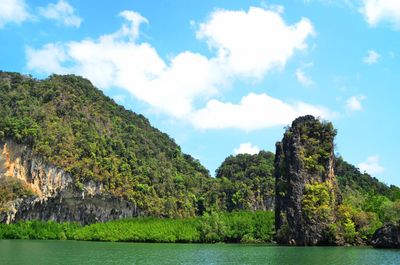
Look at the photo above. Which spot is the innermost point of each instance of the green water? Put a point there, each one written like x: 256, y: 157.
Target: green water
x: 72, y: 252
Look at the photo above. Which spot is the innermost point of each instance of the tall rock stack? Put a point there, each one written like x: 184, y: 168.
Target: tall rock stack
x: 307, y: 194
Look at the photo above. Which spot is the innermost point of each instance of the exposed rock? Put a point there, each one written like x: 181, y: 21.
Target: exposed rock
x: 387, y: 236
x: 17, y: 161
x: 306, y: 190
x: 56, y: 196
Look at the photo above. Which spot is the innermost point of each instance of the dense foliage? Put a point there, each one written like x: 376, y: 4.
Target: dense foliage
x: 367, y: 203
x: 316, y: 141
x: 72, y: 125
x: 38, y: 230
x: 245, y: 227
x: 350, y: 177
x: 246, y: 181
x: 11, y: 189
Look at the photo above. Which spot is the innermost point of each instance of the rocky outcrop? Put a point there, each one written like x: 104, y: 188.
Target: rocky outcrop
x: 306, y: 190
x: 56, y: 197
x: 17, y: 161
x: 387, y: 236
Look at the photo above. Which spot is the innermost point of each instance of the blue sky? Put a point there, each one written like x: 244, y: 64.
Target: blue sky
x: 226, y: 77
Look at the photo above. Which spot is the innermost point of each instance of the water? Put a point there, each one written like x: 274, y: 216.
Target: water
x: 72, y: 252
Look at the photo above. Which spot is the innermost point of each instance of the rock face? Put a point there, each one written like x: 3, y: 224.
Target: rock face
x: 56, y: 197
x: 387, y: 236
x: 306, y: 190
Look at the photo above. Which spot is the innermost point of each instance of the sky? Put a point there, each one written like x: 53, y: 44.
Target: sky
x: 226, y: 77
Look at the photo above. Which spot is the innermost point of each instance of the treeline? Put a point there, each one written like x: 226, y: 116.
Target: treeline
x: 246, y: 182
x: 243, y: 227
x: 367, y: 204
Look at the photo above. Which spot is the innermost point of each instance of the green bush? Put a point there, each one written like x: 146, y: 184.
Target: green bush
x: 38, y: 230
x: 245, y: 227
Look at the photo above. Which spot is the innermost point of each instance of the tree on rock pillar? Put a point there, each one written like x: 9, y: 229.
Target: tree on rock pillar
x: 307, y: 194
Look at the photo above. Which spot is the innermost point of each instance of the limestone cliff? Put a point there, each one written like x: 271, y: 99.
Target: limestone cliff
x: 55, y: 196
x: 306, y: 190
x: 387, y: 236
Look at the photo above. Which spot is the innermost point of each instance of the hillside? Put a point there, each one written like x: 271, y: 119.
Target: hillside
x: 350, y: 178
x: 247, y: 181
x: 71, y: 125
x: 69, y: 153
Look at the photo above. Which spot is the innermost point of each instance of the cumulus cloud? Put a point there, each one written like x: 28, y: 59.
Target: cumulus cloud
x: 377, y: 11
x: 13, y: 11
x: 246, y: 148
x: 119, y: 60
x: 354, y: 103
x: 47, y: 59
x: 62, y: 12
x: 247, y: 45
x: 372, y: 57
x: 371, y: 166
x: 254, y: 42
x: 255, y: 111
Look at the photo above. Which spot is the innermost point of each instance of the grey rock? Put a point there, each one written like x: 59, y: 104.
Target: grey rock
x: 293, y: 225
x: 56, y: 196
x: 387, y: 236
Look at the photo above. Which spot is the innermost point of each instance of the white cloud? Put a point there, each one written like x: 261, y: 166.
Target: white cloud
x: 254, y: 42
x: 13, y: 11
x: 47, y: 59
x: 247, y: 45
x: 303, y: 78
x: 255, y: 111
x: 377, y: 11
x: 371, y: 166
x: 62, y: 12
x: 246, y: 148
x: 372, y: 57
x: 354, y: 103
x: 118, y: 60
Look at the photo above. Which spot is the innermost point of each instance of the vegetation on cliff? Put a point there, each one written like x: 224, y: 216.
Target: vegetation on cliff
x: 367, y: 203
x: 308, y: 181
x: 349, y: 177
x: 307, y: 194
x: 72, y: 125
x: 12, y: 189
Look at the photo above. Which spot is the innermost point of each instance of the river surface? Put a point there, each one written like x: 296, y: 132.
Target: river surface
x: 73, y: 252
